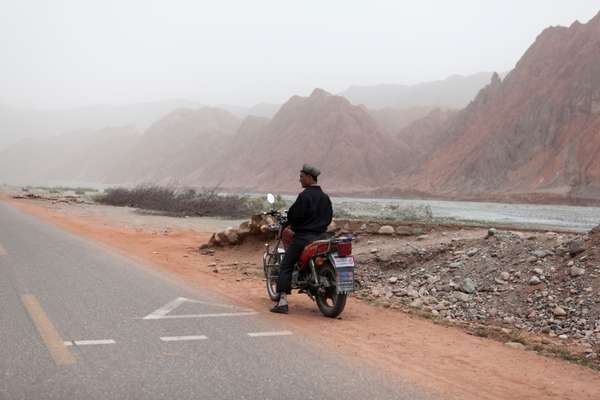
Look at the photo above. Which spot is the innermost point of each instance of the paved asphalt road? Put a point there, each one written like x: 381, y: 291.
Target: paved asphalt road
x: 72, y: 327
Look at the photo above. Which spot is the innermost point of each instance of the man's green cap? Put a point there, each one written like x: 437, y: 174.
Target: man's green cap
x: 310, y: 170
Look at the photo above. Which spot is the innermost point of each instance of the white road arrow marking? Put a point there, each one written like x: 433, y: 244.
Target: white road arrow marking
x: 162, y: 312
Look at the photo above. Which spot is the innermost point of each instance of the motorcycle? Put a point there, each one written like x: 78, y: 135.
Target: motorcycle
x: 325, y: 271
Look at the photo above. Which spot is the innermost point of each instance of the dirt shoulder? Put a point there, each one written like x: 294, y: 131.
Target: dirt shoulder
x: 444, y: 359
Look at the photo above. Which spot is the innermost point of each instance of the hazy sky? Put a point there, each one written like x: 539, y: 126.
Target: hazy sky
x: 74, y: 53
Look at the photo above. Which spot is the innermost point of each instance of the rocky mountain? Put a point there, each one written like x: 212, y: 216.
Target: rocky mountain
x: 177, y: 145
x: 172, y: 148
x: 425, y: 135
x: 324, y: 129
x: 455, y: 91
x: 264, y: 110
x: 533, y: 135
x: 393, y: 120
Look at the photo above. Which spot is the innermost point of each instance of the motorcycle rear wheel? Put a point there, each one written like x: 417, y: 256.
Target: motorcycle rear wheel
x: 271, y: 275
x: 330, y: 302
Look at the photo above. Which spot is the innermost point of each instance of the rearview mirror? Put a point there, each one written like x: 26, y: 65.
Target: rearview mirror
x: 270, y: 198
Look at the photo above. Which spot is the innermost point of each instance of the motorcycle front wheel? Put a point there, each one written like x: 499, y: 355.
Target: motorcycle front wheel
x: 271, y: 267
x: 330, y: 302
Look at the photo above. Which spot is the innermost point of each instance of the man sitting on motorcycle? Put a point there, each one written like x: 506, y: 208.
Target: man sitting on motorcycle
x: 309, y: 217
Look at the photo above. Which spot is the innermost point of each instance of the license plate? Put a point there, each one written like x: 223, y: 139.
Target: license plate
x: 345, y: 281
x: 343, y: 262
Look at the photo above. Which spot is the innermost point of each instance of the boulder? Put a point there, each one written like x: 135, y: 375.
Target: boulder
x: 534, y: 280
x: 515, y: 345
x: 412, y: 292
x: 386, y: 230
x: 244, y: 229
x: 559, y: 312
x: 403, y: 230
x: 347, y: 228
x: 373, y: 228
x: 576, y: 246
x: 540, y: 253
x: 472, y: 252
x: 468, y: 286
x: 222, y: 237
x: 576, y: 271
x: 464, y: 297
x: 215, y: 240
x: 416, y: 303
x: 232, y: 236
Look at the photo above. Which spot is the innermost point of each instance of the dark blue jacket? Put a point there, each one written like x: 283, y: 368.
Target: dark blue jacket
x: 311, y: 213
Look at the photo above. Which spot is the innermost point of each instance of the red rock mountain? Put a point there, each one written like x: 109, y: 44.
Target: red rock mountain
x: 425, y: 135
x: 179, y: 144
x: 340, y: 138
x: 393, y: 120
x: 536, y: 132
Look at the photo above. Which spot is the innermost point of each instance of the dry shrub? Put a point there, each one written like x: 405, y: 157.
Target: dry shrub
x: 179, y: 201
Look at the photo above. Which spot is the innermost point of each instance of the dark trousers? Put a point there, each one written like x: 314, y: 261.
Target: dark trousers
x: 291, y: 257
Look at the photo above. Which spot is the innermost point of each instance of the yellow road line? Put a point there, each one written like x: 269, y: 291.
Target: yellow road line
x: 45, y: 327
x: 2, y: 250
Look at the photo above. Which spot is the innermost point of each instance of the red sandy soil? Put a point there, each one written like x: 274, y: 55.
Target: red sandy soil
x: 444, y: 360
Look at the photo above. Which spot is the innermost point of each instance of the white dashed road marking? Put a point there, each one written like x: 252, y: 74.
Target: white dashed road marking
x: 274, y: 333
x: 182, y: 338
x: 210, y: 315
x: 88, y: 342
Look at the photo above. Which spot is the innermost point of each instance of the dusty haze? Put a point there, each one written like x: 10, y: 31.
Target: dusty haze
x: 65, y: 54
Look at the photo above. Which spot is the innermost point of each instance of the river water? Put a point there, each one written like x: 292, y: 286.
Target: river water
x: 574, y: 218
x: 533, y: 215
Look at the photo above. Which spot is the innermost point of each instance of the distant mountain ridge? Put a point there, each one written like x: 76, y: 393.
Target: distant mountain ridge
x: 23, y: 123
x: 393, y: 120
x: 265, y: 110
x: 324, y: 129
x: 455, y: 91
x: 178, y: 144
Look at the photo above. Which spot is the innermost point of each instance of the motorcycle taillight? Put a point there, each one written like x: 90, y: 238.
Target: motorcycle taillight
x: 344, y: 249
